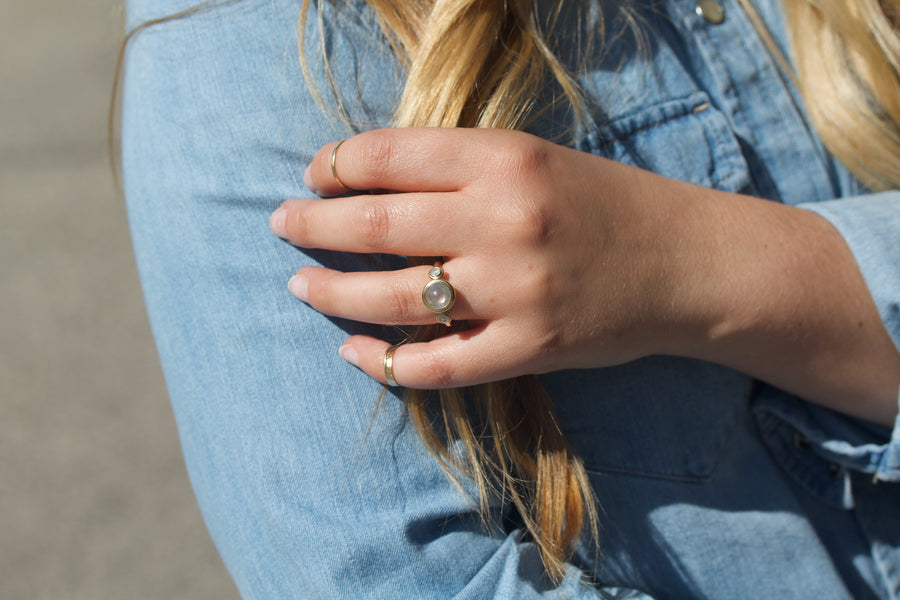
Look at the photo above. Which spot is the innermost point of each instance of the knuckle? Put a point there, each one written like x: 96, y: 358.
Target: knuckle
x: 401, y: 302
x: 296, y: 225
x: 550, y: 327
x: 321, y: 293
x: 529, y: 223
x: 528, y: 215
x: 527, y: 157
x: 438, y: 371
x: 378, y: 156
x: 374, y: 224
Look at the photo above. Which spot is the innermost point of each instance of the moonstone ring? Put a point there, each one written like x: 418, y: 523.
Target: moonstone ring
x: 438, y: 295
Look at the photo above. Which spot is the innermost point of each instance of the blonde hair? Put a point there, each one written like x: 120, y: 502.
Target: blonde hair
x: 481, y: 63
x: 510, y: 443
x: 847, y: 56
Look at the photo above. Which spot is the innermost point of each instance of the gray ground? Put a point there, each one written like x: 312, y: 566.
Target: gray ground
x: 94, y: 499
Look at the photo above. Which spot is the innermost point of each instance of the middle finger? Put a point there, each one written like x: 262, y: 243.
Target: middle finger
x: 424, y: 224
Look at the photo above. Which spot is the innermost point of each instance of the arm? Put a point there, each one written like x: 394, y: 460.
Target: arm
x: 566, y: 260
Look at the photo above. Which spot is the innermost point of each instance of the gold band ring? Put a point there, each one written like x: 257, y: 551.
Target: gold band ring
x: 389, y: 365
x: 438, y: 295
x: 333, y: 168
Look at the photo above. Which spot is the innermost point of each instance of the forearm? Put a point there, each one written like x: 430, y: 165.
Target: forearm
x: 782, y: 299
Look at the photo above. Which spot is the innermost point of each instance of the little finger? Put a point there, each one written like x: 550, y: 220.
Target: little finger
x: 459, y: 359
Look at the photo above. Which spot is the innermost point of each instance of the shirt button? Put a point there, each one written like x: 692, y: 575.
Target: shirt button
x: 710, y: 10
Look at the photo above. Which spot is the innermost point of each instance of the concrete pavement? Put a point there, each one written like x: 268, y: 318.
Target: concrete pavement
x: 94, y: 499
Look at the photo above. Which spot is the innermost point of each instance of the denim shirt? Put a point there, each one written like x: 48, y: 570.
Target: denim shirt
x: 710, y: 484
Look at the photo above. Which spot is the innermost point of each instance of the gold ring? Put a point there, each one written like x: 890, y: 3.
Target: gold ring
x: 438, y: 295
x: 333, y: 168
x: 389, y: 365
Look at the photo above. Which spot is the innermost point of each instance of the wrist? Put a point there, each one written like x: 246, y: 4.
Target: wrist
x: 694, y: 282
x: 779, y: 296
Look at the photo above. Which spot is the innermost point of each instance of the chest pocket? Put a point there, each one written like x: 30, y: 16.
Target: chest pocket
x: 660, y: 417
x: 684, y: 138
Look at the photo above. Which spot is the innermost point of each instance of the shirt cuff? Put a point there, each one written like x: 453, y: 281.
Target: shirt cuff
x: 870, y: 225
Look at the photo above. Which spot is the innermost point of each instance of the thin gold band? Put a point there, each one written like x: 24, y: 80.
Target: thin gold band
x: 389, y: 365
x: 334, y: 169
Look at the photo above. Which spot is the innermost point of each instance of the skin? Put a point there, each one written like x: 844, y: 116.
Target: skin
x: 562, y: 260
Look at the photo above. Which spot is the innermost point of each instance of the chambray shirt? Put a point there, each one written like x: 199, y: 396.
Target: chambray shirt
x: 711, y: 484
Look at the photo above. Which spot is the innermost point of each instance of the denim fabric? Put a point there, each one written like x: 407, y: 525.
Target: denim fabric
x: 711, y: 484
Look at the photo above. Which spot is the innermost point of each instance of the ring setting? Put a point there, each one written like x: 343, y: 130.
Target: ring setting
x: 438, y: 295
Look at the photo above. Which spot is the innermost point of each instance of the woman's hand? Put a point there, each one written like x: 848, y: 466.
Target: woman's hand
x: 557, y: 256
x: 561, y: 259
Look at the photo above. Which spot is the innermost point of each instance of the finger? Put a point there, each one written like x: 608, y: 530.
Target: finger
x: 390, y: 298
x: 426, y: 224
x: 456, y: 360
x: 410, y: 160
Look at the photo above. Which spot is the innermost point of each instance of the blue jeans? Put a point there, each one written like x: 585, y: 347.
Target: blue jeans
x: 711, y: 484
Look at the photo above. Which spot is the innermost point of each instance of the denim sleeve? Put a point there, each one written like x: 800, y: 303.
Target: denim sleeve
x: 870, y: 224
x: 308, y: 488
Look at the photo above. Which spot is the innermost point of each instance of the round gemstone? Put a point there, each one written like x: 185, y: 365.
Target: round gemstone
x: 436, y: 273
x: 444, y: 318
x: 438, y: 296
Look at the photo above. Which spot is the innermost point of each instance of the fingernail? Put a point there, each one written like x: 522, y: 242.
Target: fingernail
x: 277, y: 222
x: 307, y: 179
x: 299, y: 286
x: 349, y: 354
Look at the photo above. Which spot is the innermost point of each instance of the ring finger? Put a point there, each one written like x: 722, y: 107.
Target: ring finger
x: 389, y: 298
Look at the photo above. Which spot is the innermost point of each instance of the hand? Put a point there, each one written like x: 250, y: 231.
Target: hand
x: 560, y: 259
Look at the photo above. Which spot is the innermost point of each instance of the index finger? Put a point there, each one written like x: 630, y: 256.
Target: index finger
x: 405, y: 160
